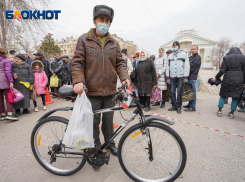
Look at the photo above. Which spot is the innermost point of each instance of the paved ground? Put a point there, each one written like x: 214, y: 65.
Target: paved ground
x: 207, y: 74
x: 212, y: 156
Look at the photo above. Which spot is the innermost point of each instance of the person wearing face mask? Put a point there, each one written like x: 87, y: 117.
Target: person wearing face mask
x: 96, y: 63
x: 145, y: 79
x: 177, y: 74
x: 161, y: 67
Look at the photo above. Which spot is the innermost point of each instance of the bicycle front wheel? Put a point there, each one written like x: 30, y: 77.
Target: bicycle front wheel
x: 47, y: 147
x: 169, y: 153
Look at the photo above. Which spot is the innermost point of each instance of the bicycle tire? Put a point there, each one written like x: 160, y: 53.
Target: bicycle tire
x: 40, y: 123
x: 161, y: 126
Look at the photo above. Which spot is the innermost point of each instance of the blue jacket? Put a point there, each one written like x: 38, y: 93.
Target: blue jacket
x: 178, y: 65
x: 29, y: 61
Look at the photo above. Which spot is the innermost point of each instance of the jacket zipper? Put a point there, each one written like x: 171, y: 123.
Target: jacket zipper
x: 103, y: 63
x: 104, y: 67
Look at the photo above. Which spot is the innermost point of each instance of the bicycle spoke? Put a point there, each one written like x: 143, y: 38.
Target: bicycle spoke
x: 166, y: 155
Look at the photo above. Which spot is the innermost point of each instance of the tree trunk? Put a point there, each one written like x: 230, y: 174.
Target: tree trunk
x: 3, y: 27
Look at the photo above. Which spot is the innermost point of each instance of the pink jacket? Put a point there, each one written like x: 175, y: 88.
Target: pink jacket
x: 40, y: 82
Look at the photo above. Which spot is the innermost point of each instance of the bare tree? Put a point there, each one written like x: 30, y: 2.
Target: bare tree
x: 29, y: 28
x: 242, y: 47
x: 220, y: 49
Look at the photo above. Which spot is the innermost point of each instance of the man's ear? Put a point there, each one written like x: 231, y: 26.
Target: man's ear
x: 95, y: 23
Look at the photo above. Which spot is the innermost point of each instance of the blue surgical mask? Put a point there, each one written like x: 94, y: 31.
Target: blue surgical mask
x: 142, y: 59
x: 102, y: 28
x: 175, y: 49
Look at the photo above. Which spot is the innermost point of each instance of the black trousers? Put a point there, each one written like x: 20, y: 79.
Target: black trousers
x: 145, y: 100
x: 43, y: 100
x: 164, y: 93
x: 168, y: 95
x: 99, y: 102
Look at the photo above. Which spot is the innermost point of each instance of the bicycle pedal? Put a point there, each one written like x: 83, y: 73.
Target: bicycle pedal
x: 107, y: 157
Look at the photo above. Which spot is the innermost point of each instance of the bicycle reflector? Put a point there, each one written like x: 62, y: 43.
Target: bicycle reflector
x: 135, y: 134
x: 38, y: 140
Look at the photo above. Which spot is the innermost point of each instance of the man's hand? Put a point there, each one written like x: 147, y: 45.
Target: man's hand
x: 127, y: 81
x: 213, y: 80
x: 158, y: 76
x: 15, y: 75
x: 78, y: 88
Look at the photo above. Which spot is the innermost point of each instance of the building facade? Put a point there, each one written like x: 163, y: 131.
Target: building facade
x: 187, y: 38
x: 68, y: 46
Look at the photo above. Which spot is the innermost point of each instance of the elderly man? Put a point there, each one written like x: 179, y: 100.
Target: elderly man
x: 96, y: 63
x: 179, y: 69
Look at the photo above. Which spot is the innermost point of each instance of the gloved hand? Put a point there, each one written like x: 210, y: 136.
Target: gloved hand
x: 26, y: 84
x: 168, y: 81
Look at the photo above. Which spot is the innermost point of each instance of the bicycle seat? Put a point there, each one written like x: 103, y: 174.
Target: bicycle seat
x: 66, y: 91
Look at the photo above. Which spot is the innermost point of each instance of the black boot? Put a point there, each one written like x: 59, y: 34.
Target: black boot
x: 113, y: 150
x: 156, y: 104
x: 162, y: 105
x: 17, y: 112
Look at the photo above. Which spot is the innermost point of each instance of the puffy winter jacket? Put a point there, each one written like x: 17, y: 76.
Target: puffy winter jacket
x: 5, y: 73
x: 233, y: 69
x: 178, y: 64
x: 161, y: 67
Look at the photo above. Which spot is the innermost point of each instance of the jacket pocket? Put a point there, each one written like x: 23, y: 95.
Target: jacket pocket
x: 112, y: 51
x: 91, y: 51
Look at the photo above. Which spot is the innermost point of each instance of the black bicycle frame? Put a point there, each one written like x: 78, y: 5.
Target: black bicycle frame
x: 121, y: 127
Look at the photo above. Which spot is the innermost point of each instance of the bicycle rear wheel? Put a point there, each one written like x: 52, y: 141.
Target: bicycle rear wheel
x: 169, y: 153
x: 47, y: 136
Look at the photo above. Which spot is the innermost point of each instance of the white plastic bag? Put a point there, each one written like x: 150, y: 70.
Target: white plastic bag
x: 79, y: 132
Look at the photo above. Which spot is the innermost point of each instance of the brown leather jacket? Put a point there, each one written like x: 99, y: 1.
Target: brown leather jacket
x: 98, y: 67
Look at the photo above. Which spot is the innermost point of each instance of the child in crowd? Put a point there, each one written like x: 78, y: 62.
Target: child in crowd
x: 40, y: 82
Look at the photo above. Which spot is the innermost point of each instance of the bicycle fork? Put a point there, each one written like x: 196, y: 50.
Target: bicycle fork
x: 148, y: 135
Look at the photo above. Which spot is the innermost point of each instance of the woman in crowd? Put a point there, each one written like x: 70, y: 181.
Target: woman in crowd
x: 233, y: 69
x: 22, y: 72
x: 145, y: 79
x: 6, y: 81
x: 161, y: 67
x: 40, y: 82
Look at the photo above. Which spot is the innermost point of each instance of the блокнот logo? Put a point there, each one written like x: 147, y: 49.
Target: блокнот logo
x: 29, y: 14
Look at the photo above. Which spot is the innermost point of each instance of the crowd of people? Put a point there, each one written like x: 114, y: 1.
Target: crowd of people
x: 101, y: 66
x: 28, y: 75
x: 168, y: 74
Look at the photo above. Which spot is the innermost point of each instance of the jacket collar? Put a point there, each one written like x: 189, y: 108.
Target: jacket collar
x: 194, y: 55
x: 91, y: 35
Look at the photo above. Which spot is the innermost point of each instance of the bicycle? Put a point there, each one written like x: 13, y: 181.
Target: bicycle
x: 147, y: 151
